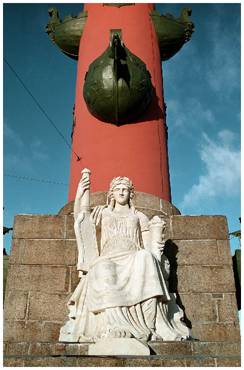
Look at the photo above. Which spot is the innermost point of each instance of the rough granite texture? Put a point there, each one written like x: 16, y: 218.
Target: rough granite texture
x: 42, y: 275
x: 178, y: 354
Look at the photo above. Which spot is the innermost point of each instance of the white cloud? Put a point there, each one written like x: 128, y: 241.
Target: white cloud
x: 223, y: 63
x: 222, y: 176
x: 38, y: 151
x: 10, y: 134
x: 191, y: 114
x: 21, y: 158
x: 18, y: 164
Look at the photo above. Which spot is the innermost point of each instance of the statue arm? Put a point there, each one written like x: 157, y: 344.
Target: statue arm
x: 84, y: 229
x: 154, y: 246
x: 145, y: 233
x: 157, y: 228
x: 76, y: 206
x: 146, y: 239
x: 152, y: 234
x: 82, y: 195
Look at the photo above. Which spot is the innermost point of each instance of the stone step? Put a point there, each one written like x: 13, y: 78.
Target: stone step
x: 184, y: 348
x: 122, y: 361
x: 178, y: 354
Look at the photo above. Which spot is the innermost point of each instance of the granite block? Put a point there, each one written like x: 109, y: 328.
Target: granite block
x: 21, y: 331
x: 205, y: 279
x: 15, y: 305
x: 197, y: 252
x: 44, y: 252
x: 38, y: 227
x: 198, y: 227
x: 38, y: 277
x: 227, y: 308
x: 220, y: 332
x: 48, y: 307
x: 204, y: 311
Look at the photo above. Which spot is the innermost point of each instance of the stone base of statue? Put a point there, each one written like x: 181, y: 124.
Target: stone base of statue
x: 162, y: 354
x: 42, y: 275
x: 118, y: 347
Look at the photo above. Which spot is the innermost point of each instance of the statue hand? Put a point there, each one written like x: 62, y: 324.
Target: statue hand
x: 158, y: 248
x: 83, y: 185
x: 97, y: 214
x: 165, y: 266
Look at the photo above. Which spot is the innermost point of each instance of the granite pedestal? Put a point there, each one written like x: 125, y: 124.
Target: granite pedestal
x: 42, y: 275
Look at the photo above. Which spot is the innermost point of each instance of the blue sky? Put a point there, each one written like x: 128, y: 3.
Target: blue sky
x: 202, y: 93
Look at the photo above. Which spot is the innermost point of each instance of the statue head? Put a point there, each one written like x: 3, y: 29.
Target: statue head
x: 121, y: 190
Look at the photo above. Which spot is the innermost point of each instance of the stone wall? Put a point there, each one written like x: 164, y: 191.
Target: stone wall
x: 199, y: 251
x: 168, y: 354
x: 42, y: 274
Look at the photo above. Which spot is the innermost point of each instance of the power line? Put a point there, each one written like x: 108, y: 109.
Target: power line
x: 40, y: 107
x: 33, y: 179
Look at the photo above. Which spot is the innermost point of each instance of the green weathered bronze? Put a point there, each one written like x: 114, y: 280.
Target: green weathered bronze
x: 172, y: 32
x: 66, y: 34
x: 117, y: 86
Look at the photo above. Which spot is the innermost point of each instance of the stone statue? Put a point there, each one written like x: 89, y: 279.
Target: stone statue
x: 123, y: 290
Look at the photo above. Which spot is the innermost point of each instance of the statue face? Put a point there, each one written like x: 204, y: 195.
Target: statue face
x: 121, y: 194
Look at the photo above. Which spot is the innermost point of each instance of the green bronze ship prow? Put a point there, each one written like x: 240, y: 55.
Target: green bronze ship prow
x: 117, y: 85
x: 66, y: 34
x: 172, y: 32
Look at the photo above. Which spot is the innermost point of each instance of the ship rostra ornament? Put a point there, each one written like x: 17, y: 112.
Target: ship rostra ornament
x: 117, y: 85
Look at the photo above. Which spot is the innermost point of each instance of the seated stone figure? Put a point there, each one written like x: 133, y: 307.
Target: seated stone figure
x: 123, y: 290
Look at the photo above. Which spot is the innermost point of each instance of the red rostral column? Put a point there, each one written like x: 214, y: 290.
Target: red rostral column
x: 136, y: 150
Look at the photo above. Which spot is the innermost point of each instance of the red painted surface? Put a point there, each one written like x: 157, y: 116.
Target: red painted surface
x: 138, y: 151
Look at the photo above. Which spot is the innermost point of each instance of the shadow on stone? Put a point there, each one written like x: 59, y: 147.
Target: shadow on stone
x: 236, y: 261
x: 170, y: 251
x: 152, y: 352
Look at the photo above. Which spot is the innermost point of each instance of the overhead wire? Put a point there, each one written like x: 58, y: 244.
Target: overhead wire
x: 40, y: 107
x: 47, y: 181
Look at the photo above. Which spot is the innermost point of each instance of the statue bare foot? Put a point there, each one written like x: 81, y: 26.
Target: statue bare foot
x: 117, y: 333
x: 155, y: 337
